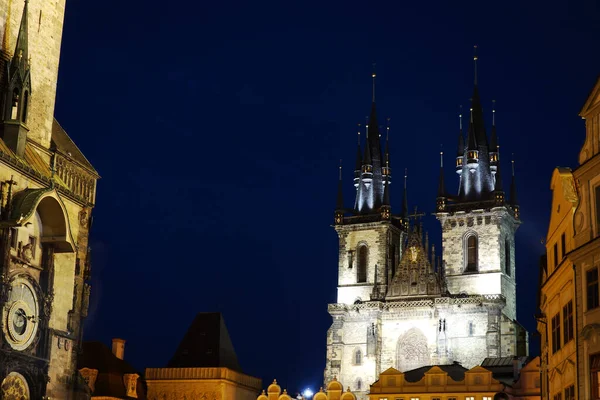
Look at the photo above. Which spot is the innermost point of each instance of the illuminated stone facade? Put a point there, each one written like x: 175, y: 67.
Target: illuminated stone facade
x: 47, y: 192
x: 200, y: 383
x: 398, y: 305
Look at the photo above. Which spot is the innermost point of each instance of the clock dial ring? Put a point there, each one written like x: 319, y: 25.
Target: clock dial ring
x: 21, y: 315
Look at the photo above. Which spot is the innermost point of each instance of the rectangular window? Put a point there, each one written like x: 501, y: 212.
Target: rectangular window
x: 563, y: 244
x: 555, y: 255
x: 557, y: 396
x: 592, y: 288
x: 14, y: 237
x: 487, y: 398
x: 570, y: 393
x: 568, y: 322
x: 469, y: 398
x: 556, y: 333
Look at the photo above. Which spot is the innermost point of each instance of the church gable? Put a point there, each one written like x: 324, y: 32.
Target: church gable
x: 415, y: 275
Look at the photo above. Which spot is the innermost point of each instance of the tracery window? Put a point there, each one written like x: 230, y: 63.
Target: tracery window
x: 363, y: 257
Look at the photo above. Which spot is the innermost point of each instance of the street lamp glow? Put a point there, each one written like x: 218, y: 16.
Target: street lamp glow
x: 307, y: 393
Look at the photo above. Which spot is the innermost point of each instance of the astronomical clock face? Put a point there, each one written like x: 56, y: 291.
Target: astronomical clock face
x: 21, y: 315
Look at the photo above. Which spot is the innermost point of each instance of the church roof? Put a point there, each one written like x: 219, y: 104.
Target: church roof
x: 63, y: 144
x: 206, y: 344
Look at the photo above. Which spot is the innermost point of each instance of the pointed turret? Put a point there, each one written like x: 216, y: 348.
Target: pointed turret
x: 513, y: 192
x: 21, y: 56
x: 441, y: 197
x: 472, y: 151
x: 477, y: 111
x: 405, y: 197
x: 358, y: 165
x: 494, y: 158
x: 339, y: 208
x: 16, y: 92
x: 441, y: 186
x: 460, y: 149
x: 375, y: 172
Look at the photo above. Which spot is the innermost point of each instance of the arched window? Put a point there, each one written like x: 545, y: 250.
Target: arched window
x: 471, y: 328
x: 358, y: 384
x: 507, y: 257
x: 357, y: 357
x: 361, y: 270
x: 471, y: 250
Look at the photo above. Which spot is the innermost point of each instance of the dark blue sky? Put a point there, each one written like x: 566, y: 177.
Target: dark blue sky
x: 217, y: 128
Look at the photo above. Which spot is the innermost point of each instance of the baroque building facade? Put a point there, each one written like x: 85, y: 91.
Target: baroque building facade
x: 47, y: 192
x: 569, y: 321
x: 400, y: 306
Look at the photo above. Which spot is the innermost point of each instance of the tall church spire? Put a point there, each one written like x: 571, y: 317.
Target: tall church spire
x: 21, y: 55
x: 374, y: 170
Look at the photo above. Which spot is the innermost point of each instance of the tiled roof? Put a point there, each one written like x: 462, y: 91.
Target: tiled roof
x: 63, y: 143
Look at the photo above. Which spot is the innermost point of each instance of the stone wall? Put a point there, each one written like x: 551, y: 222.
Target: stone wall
x: 378, y: 237
x: 45, y: 34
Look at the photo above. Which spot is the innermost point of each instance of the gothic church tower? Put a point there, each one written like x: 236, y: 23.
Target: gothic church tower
x: 397, y: 304
x: 47, y: 193
x: 479, y: 223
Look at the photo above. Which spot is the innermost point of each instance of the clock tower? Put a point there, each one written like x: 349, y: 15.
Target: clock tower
x: 47, y: 193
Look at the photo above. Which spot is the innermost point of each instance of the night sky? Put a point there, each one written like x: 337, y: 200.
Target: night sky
x: 217, y: 128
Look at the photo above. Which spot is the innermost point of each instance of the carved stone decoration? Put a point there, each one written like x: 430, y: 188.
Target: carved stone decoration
x: 15, y: 387
x: 412, y: 350
x: 130, y: 382
x: 89, y: 376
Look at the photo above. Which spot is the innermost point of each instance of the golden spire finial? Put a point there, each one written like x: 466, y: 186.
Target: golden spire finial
x: 340, y: 169
x: 494, y: 112
x: 358, y: 136
x: 460, y: 118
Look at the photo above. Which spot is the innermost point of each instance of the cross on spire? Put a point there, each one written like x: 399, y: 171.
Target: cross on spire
x: 416, y: 215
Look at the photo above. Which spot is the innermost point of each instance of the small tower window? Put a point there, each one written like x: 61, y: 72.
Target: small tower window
x: 357, y: 357
x: 471, y: 328
x: 507, y: 257
x: 15, y: 105
x: 361, y: 270
x: 471, y: 254
x: 358, y: 385
x: 25, y: 101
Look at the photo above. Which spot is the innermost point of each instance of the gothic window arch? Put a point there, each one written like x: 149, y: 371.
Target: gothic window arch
x: 507, y: 268
x: 471, y: 252
x: 357, y: 358
x: 361, y: 263
x: 358, y: 384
